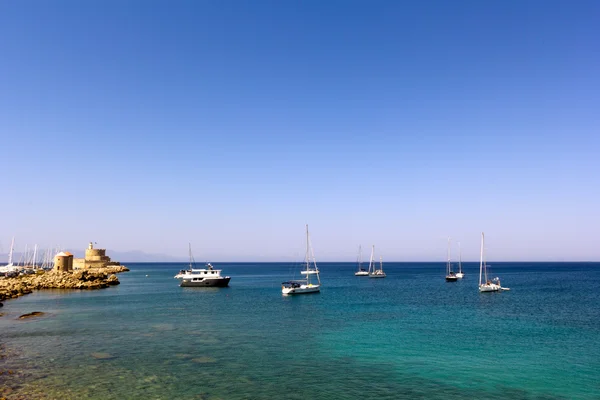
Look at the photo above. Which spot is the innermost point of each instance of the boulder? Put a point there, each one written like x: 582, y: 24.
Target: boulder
x: 31, y: 314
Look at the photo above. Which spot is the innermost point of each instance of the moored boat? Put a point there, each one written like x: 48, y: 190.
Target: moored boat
x: 303, y: 286
x: 373, y: 271
x: 486, y: 284
x: 361, y: 271
x: 450, y: 275
x: 460, y: 274
x: 201, y: 277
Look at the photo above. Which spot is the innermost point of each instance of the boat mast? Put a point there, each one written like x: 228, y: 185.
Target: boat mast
x: 307, y: 251
x: 459, y: 259
x: 448, y: 258
x: 34, y: 255
x: 481, y: 259
x: 359, y: 257
x: 190, y: 251
x: 25, y: 258
x: 381, y: 263
x: 371, y: 260
x: 485, y: 275
x: 10, y: 253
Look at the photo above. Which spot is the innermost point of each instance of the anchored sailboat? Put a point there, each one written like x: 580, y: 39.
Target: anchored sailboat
x: 460, y: 274
x: 450, y: 275
x: 361, y: 271
x: 303, y: 286
x: 488, y: 285
x: 373, y: 271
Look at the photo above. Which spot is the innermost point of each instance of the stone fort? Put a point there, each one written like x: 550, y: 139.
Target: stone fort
x: 94, y: 258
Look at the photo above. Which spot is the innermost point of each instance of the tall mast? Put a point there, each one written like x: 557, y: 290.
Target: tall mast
x: 34, y: 255
x: 26, y: 257
x: 10, y: 253
x: 307, y: 251
x: 481, y: 259
x: 380, y: 263
x: 359, y: 256
x: 459, y: 259
x: 448, y: 258
x: 371, y: 260
x: 190, y: 252
x: 485, y: 275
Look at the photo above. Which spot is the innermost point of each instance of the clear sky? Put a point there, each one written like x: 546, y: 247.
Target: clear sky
x: 146, y: 125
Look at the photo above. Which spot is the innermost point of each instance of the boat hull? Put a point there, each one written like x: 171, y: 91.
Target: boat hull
x: 206, y: 282
x: 489, y: 287
x: 460, y: 275
x: 377, y: 276
x: 303, y: 289
x: 451, y: 278
x: 362, y: 273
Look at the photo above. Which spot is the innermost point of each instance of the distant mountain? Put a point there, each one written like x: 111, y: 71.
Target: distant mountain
x: 139, y: 256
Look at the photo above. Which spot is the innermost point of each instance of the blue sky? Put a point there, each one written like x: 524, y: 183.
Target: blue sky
x: 146, y: 125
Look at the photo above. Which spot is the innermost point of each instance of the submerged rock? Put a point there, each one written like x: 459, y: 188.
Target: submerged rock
x: 204, y: 360
x: 32, y: 314
x: 102, y: 356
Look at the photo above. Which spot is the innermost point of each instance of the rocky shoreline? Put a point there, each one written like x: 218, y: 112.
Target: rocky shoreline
x: 94, y: 278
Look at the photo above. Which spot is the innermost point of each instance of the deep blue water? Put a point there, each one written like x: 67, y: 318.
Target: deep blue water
x: 411, y: 335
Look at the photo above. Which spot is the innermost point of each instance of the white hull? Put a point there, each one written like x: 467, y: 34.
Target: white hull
x: 9, y: 268
x: 303, y: 289
x: 362, y: 273
x: 489, y: 287
x: 377, y: 275
x: 460, y: 275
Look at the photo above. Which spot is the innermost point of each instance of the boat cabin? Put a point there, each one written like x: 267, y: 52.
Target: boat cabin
x: 291, y: 284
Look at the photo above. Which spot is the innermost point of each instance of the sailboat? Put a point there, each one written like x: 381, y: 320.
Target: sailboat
x: 450, y: 275
x: 460, y: 274
x: 201, y: 277
x: 303, y: 286
x: 361, y: 271
x: 373, y: 271
x: 489, y: 285
x: 10, y: 267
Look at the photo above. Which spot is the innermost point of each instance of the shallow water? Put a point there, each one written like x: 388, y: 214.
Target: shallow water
x: 411, y: 335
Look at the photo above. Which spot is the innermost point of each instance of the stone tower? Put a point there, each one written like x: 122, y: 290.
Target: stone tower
x: 63, y: 262
x: 94, y: 258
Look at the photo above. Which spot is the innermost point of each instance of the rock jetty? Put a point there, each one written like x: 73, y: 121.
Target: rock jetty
x: 94, y: 278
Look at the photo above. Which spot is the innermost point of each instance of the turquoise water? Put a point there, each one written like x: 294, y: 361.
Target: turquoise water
x: 411, y: 335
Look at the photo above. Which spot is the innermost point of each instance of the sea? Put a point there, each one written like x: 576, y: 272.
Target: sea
x: 411, y: 335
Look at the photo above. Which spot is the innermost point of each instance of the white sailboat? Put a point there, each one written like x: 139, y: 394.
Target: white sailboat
x: 303, y: 286
x: 450, y: 275
x: 10, y: 267
x: 460, y: 274
x: 361, y: 271
x: 373, y: 271
x: 488, y: 285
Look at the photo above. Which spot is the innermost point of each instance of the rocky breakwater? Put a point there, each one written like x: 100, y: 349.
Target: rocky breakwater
x: 96, y: 278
